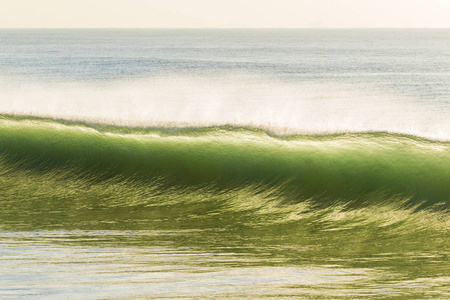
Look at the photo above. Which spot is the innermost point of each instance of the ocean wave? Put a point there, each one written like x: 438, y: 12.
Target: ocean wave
x: 358, y: 169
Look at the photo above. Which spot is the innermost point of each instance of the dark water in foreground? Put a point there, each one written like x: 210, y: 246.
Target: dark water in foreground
x: 141, y: 164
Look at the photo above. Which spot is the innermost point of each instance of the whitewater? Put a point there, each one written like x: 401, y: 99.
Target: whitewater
x: 224, y: 163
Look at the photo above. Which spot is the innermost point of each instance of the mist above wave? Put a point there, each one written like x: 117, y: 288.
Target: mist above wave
x: 229, y: 99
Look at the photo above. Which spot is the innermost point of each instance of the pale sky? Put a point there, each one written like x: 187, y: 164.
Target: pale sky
x: 224, y: 13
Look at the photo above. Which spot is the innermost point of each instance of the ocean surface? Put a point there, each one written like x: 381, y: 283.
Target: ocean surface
x: 142, y: 164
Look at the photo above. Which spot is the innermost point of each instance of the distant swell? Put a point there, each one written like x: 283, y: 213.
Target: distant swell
x: 351, y: 167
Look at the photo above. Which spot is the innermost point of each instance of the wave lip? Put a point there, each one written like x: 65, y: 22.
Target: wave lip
x: 237, y: 99
x: 354, y: 168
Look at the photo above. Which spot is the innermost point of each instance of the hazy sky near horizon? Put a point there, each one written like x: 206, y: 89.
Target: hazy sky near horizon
x: 224, y: 13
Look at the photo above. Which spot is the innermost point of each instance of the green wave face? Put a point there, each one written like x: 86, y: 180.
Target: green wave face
x: 374, y: 205
x: 231, y: 170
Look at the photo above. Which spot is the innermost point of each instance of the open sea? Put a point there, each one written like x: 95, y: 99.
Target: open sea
x: 244, y: 164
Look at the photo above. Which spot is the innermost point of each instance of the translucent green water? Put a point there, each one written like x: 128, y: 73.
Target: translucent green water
x: 102, y: 212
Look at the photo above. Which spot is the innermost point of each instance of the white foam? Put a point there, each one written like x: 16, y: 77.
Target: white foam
x: 237, y: 99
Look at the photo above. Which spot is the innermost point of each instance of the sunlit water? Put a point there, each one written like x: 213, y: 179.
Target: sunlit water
x: 139, y: 164
x: 147, y: 264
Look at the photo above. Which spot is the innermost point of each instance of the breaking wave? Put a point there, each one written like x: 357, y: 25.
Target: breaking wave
x: 345, y: 167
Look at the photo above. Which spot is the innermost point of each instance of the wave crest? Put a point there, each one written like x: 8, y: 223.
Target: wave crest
x: 354, y: 168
